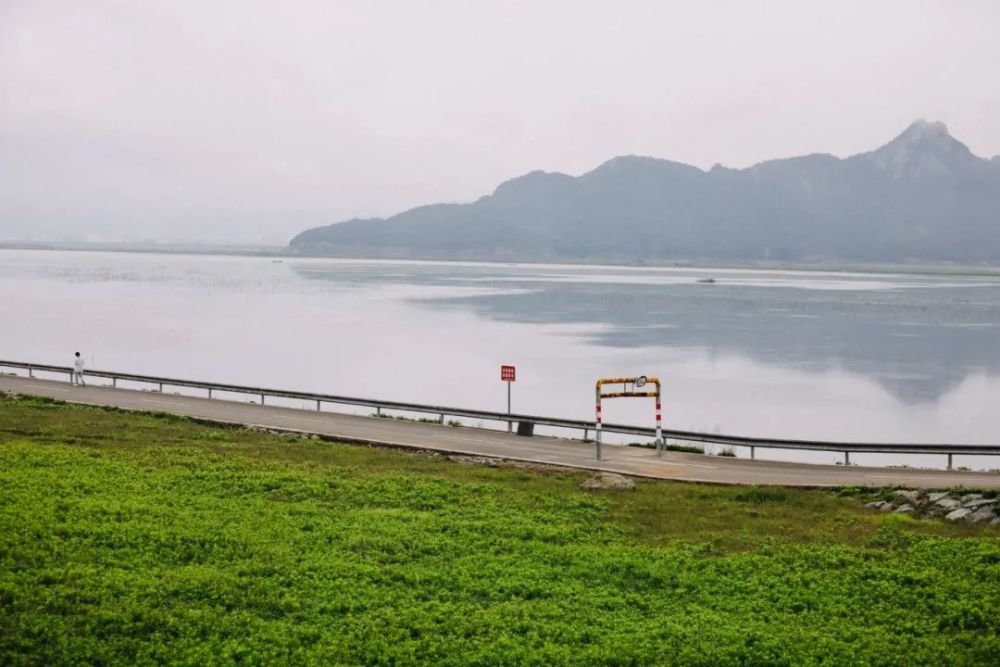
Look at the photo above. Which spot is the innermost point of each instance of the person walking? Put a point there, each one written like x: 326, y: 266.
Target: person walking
x: 78, y: 371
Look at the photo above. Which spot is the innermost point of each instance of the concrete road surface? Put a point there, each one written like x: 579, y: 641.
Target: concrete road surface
x: 483, y: 442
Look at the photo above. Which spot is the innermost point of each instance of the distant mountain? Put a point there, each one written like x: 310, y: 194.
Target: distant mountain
x: 922, y: 196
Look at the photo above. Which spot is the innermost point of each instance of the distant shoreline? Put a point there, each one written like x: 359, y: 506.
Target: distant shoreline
x: 155, y: 249
x: 281, y: 252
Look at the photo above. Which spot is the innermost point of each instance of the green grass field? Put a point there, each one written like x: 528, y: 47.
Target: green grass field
x: 141, y: 539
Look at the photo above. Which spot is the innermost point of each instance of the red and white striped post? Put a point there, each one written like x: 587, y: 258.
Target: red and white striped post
x: 659, y: 424
x: 597, y: 421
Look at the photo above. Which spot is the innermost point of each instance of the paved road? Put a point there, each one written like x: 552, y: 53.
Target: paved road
x: 482, y: 442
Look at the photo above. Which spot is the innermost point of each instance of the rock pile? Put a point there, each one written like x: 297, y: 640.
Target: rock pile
x: 282, y: 432
x: 494, y: 462
x: 609, y: 480
x: 970, y: 507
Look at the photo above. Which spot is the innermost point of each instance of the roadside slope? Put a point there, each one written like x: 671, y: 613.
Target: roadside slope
x: 134, y: 539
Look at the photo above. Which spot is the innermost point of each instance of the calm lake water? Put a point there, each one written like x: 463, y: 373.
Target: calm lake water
x: 835, y: 356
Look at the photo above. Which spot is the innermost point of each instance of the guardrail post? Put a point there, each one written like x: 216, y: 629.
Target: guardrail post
x: 752, y: 453
x: 378, y: 411
x: 317, y: 405
x: 586, y: 432
x: 441, y: 419
x: 847, y: 458
x: 114, y: 382
x: 30, y: 372
x: 210, y: 392
x: 949, y: 462
x: 161, y: 387
x: 262, y: 398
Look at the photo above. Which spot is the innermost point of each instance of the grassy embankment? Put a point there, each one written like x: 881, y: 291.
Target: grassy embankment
x: 139, y: 539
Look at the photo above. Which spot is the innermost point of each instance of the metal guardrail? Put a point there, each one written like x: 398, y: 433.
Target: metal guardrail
x: 847, y: 448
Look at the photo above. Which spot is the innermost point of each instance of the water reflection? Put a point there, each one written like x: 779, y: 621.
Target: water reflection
x: 919, y: 337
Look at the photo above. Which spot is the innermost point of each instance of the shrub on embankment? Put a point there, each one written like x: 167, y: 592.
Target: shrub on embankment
x: 135, y: 539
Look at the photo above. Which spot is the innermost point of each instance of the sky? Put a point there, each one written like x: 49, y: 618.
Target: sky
x: 247, y: 121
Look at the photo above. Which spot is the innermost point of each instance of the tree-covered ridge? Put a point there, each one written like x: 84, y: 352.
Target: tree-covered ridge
x: 922, y: 196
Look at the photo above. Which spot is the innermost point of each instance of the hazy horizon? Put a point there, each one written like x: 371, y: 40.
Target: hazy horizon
x: 247, y: 123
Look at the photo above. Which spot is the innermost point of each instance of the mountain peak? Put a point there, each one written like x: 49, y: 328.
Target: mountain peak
x: 533, y: 184
x: 924, y: 149
x: 923, y: 136
x: 632, y: 166
x: 922, y: 130
x: 627, y: 163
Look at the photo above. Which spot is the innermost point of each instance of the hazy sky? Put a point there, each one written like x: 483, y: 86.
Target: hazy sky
x: 247, y: 120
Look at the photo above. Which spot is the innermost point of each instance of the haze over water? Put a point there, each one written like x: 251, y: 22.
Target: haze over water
x: 833, y: 356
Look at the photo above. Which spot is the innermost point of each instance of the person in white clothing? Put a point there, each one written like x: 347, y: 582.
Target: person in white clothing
x: 78, y: 370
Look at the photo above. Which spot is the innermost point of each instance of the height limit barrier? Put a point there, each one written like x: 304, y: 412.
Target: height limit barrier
x: 629, y: 390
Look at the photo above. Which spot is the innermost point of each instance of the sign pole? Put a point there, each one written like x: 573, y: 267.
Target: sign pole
x: 510, y: 424
x: 508, y: 374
